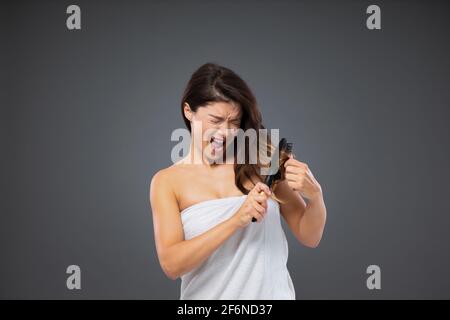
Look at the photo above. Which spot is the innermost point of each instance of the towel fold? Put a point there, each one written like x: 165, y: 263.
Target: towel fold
x: 250, y: 265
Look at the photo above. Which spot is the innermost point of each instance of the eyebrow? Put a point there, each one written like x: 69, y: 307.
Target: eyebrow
x: 221, y: 118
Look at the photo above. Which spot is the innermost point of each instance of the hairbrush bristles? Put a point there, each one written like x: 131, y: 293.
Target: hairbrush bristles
x: 289, y: 147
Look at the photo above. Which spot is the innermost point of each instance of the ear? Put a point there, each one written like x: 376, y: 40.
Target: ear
x: 187, y: 111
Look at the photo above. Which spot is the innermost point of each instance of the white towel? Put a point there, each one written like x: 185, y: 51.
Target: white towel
x: 250, y: 265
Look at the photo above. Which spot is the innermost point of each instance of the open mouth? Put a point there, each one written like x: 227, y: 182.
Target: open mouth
x: 217, y: 143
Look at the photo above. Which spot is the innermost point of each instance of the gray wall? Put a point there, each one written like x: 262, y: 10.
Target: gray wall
x: 88, y: 118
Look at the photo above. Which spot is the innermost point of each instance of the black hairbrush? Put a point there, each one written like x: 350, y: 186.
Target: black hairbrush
x: 283, y: 146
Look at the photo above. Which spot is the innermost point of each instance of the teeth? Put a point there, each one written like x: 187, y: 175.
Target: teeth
x: 217, y: 140
x: 217, y: 143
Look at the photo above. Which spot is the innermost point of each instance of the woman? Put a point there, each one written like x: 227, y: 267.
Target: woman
x: 202, y: 211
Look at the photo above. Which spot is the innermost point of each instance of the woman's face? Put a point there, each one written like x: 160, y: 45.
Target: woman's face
x: 219, y: 122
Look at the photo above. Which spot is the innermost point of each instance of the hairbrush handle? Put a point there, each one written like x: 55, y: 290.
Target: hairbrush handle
x: 286, y: 147
x: 261, y: 193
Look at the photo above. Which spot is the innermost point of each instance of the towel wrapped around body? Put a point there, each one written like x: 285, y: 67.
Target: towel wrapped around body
x: 249, y: 265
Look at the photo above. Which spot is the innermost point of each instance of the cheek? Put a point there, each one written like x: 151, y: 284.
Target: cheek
x: 207, y: 126
x: 202, y: 125
x: 208, y: 131
x: 233, y: 132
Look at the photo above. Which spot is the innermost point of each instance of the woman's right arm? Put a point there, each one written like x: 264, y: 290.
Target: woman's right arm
x: 176, y: 255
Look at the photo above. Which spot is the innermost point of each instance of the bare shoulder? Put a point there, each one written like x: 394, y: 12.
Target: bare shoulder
x: 165, y: 181
x: 162, y: 180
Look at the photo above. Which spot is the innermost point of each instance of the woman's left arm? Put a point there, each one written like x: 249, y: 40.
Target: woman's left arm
x: 306, y: 220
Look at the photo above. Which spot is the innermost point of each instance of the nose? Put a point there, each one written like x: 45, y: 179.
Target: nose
x: 221, y: 132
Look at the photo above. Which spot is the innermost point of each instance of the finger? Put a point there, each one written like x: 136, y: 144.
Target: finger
x: 292, y: 162
x: 257, y: 216
x: 261, y: 198
x: 258, y: 207
x: 293, y: 169
x: 262, y: 187
x: 292, y: 177
x: 264, y: 195
x: 262, y: 203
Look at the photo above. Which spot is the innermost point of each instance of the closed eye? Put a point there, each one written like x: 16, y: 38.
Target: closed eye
x: 216, y: 120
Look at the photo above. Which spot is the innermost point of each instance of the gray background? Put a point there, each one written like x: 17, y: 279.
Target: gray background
x: 87, y: 117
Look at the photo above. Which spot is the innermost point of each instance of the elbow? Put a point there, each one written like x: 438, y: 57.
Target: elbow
x: 171, y: 276
x: 169, y: 266
x: 311, y: 241
x: 311, y: 238
x: 170, y: 270
x: 311, y: 244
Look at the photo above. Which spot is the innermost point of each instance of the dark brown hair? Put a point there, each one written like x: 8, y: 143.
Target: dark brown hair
x: 214, y: 83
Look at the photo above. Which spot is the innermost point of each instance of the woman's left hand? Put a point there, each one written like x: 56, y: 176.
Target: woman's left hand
x: 300, y: 178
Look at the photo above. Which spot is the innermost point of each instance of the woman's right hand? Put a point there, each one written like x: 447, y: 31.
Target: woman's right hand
x: 254, y: 206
